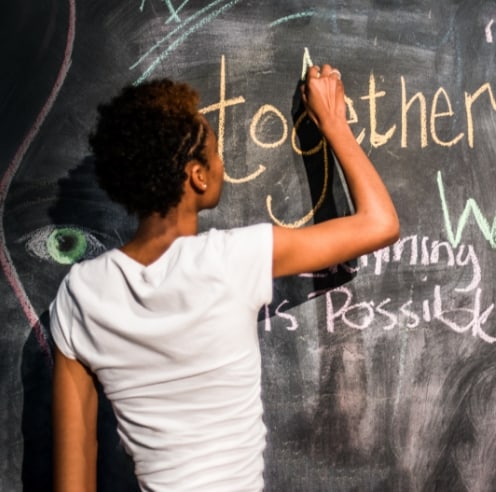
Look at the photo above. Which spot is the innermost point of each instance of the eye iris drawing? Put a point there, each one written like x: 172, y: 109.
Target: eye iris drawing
x: 66, y: 245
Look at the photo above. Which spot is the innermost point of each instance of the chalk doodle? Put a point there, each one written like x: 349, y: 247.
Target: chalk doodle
x: 5, y: 259
x: 174, y: 11
x: 63, y: 244
x: 197, y: 20
x: 291, y: 17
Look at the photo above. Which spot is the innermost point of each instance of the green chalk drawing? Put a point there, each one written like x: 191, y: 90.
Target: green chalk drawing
x: 66, y: 245
x: 471, y: 208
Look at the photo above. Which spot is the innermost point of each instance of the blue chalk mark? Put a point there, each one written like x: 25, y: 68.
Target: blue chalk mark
x: 288, y: 18
x: 172, y: 11
x: 177, y: 29
x: 142, y: 6
x: 177, y: 11
x: 202, y: 22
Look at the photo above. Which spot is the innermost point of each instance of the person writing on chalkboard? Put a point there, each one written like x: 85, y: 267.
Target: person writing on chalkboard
x: 167, y: 323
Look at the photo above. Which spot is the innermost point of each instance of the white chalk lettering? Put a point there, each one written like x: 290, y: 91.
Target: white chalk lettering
x: 458, y: 309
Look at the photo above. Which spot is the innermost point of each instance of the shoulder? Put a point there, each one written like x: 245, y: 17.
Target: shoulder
x: 233, y: 244
x: 84, y: 280
x: 243, y: 236
x: 230, y: 252
x: 244, y: 256
x: 87, y: 273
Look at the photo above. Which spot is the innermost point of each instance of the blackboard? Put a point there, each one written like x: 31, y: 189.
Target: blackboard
x: 378, y: 375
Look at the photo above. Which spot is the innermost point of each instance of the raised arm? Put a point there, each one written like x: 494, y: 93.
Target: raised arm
x: 75, y: 403
x: 373, y: 225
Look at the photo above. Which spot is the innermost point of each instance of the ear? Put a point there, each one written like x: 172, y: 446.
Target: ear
x: 198, y: 176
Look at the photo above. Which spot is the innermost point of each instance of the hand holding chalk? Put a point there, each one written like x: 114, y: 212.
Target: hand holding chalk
x: 323, y: 96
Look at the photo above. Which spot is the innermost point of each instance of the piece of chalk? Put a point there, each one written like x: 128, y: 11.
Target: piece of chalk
x: 307, y: 63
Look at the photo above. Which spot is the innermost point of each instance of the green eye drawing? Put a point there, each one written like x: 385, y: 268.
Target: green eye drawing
x: 64, y: 245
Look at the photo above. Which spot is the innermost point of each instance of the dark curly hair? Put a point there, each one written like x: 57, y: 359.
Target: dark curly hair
x: 143, y: 140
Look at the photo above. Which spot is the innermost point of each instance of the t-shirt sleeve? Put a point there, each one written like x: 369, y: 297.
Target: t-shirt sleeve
x: 61, y: 319
x: 248, y: 254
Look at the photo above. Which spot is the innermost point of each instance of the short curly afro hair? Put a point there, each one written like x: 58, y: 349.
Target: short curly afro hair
x: 143, y: 140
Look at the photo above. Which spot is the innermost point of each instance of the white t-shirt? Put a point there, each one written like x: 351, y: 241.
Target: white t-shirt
x: 175, y: 347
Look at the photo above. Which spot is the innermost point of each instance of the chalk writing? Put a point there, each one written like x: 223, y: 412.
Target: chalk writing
x: 430, y: 254
x: 258, y: 136
x: 307, y: 62
x: 462, y: 312
x: 221, y: 108
x: 423, y: 252
x: 469, y: 101
x: 377, y: 138
x: 365, y: 314
x: 429, y: 114
x: 293, y: 321
x: 388, y: 315
x: 266, y: 110
x: 471, y: 208
x: 306, y: 218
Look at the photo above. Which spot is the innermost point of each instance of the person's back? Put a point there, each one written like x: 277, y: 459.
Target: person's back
x: 174, y: 345
x: 176, y: 348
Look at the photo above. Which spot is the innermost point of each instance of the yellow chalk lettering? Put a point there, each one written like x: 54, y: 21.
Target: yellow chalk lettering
x: 221, y: 108
x: 265, y: 110
x: 435, y: 115
x: 353, y: 118
x: 295, y: 146
x: 309, y: 215
x: 376, y: 139
x: 405, y: 107
x: 469, y: 100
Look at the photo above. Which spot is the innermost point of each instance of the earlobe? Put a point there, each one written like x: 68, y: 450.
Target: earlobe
x: 198, y: 177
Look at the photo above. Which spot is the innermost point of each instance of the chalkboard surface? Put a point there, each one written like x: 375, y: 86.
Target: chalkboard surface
x: 378, y: 375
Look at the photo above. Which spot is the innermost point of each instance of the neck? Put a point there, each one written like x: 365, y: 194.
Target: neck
x: 155, y: 234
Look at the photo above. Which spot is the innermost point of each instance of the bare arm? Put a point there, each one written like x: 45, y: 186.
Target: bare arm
x: 75, y: 403
x: 374, y: 224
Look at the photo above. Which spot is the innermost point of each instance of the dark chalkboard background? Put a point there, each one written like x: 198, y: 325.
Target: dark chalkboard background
x: 378, y: 376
